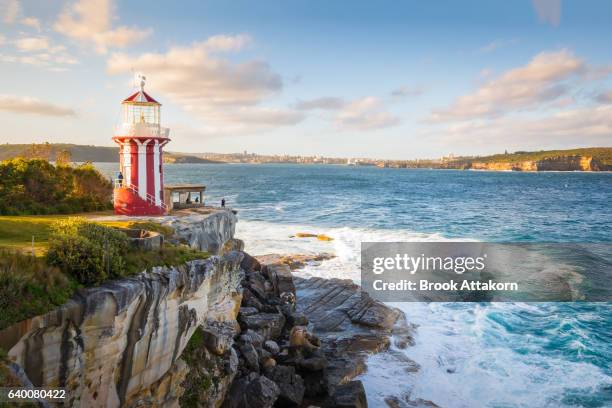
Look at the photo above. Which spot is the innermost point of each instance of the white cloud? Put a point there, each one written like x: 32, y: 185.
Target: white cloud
x: 91, y: 21
x: 227, y: 42
x: 31, y: 22
x: 225, y: 96
x: 9, y: 9
x: 39, y: 51
x: 587, y: 125
x: 28, y: 105
x: 530, y: 86
x: 404, y: 91
x: 32, y: 44
x: 195, y: 77
x: 365, y: 114
x: 324, y: 103
x: 548, y: 11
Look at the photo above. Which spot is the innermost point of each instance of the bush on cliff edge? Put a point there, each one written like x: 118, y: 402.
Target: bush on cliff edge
x: 89, y: 252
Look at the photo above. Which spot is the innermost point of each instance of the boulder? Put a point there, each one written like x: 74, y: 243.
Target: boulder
x: 290, y: 384
x: 257, y: 284
x: 272, y: 347
x: 250, y: 264
x: 248, y: 352
x: 250, y: 300
x: 252, y: 391
x: 316, y: 363
x: 268, y: 325
x: 267, y: 363
x: 281, y: 278
x: 349, y: 395
x: 301, y: 340
x: 253, y: 338
x: 218, y: 337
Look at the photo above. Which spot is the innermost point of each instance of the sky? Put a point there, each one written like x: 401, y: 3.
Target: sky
x: 379, y: 79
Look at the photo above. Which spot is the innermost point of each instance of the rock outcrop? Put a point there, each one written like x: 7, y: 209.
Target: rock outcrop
x: 560, y: 163
x: 120, y: 343
x: 349, y: 323
x: 209, y: 230
x: 303, y: 341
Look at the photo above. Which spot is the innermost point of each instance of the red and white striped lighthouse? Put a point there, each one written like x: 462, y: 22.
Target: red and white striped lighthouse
x: 139, y: 188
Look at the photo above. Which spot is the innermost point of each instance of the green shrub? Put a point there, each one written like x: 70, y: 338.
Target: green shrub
x: 87, y: 251
x: 36, y: 186
x: 29, y: 287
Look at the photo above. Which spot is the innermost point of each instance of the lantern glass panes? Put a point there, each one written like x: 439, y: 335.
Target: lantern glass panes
x: 141, y: 113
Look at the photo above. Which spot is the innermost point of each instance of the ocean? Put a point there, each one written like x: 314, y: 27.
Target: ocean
x: 470, y: 354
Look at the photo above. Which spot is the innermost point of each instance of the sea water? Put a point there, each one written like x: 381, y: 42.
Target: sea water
x: 471, y: 355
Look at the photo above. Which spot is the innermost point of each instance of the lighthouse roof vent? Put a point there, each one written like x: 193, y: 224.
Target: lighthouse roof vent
x: 141, y: 96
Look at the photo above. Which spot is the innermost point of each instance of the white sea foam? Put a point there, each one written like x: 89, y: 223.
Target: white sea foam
x: 466, y: 357
x: 263, y: 237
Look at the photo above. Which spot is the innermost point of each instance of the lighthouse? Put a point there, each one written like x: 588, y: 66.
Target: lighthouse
x: 139, y: 187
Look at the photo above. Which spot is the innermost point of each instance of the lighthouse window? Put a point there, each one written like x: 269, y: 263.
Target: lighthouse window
x: 141, y: 114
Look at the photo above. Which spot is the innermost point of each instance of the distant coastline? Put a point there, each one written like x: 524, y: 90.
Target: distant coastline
x: 584, y: 159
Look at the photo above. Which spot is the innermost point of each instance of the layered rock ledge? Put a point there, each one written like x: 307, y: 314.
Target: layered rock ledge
x: 119, y: 344
x: 207, y: 229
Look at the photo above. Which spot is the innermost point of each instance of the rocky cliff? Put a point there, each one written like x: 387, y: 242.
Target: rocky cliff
x: 120, y: 343
x: 207, y: 230
x: 560, y: 163
x: 222, y: 332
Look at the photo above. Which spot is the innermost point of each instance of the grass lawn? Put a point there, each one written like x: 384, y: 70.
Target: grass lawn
x: 29, y: 286
x: 16, y: 232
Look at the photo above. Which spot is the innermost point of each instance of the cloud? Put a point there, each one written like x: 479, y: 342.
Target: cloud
x: 365, y: 114
x: 225, y: 96
x: 195, y: 77
x: 605, y: 97
x: 9, y: 9
x: 91, y: 21
x: 227, y: 42
x: 324, y: 103
x: 404, y: 91
x: 497, y: 44
x: 31, y: 22
x: 590, y: 125
x: 549, y: 11
x: 39, y: 51
x: 28, y: 105
x: 32, y: 44
x: 530, y: 86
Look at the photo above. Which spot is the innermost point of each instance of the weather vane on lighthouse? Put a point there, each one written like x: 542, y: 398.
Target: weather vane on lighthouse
x: 139, y: 187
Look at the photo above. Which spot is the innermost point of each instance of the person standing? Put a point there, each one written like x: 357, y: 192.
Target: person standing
x: 223, y: 202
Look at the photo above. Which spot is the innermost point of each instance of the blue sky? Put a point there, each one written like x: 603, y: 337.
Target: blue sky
x: 381, y: 79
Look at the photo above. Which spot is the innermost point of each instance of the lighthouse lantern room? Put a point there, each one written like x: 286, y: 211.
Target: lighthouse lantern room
x: 139, y: 186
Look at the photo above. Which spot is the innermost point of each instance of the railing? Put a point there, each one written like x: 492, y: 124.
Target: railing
x: 150, y: 199
x: 142, y: 129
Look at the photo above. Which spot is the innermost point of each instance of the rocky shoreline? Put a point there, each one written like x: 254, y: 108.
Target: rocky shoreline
x: 298, y: 342
x: 230, y: 331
